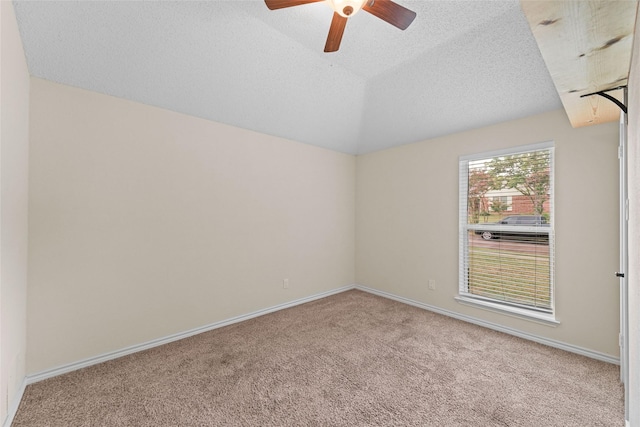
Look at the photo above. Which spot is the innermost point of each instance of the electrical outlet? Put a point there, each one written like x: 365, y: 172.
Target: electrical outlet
x: 432, y: 285
x: 285, y: 284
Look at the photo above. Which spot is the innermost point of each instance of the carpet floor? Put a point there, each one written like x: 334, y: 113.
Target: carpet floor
x: 351, y: 359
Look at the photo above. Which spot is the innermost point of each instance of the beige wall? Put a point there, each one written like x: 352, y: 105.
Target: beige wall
x: 146, y: 223
x: 633, y: 161
x: 14, y: 146
x: 407, y: 224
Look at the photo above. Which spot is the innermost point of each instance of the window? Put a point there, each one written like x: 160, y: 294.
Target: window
x: 501, y: 203
x: 506, y: 231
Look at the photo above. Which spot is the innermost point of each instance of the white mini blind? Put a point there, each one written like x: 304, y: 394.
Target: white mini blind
x: 506, y: 227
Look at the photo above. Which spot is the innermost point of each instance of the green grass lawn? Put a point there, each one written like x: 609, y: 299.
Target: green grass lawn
x: 511, y: 275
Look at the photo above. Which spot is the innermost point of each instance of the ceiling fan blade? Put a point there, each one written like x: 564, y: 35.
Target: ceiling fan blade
x: 388, y: 11
x: 335, y: 33
x: 281, y: 4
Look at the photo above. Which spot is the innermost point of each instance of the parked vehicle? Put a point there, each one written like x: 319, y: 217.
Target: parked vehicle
x: 517, y: 220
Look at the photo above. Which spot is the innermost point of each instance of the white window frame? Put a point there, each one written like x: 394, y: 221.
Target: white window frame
x: 546, y: 317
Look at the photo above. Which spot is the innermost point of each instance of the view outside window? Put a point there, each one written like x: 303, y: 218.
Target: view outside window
x: 506, y: 222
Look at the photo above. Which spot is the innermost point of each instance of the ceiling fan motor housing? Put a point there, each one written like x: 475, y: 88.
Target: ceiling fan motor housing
x: 346, y: 8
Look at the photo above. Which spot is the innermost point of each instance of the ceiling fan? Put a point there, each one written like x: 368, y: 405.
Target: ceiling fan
x: 388, y: 11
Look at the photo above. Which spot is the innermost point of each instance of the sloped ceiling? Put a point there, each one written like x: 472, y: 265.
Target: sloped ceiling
x: 460, y: 65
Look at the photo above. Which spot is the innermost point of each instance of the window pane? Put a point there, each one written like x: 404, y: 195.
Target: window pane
x: 511, y: 270
x: 515, y: 184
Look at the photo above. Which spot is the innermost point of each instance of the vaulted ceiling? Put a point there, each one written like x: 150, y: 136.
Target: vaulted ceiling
x: 460, y: 65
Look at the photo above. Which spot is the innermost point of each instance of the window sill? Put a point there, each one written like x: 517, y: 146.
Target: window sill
x: 520, y: 313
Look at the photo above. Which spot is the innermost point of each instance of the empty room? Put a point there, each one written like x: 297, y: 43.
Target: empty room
x: 319, y: 212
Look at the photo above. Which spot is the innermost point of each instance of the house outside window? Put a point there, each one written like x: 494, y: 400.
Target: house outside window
x: 502, y: 203
x: 506, y: 227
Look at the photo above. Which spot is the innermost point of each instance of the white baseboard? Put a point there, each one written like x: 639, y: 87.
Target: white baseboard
x: 15, y: 404
x: 497, y: 327
x: 30, y: 379
x: 49, y: 373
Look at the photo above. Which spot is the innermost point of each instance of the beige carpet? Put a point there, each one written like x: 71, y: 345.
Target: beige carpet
x: 352, y: 359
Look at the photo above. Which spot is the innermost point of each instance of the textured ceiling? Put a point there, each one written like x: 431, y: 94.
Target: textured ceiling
x: 460, y: 65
